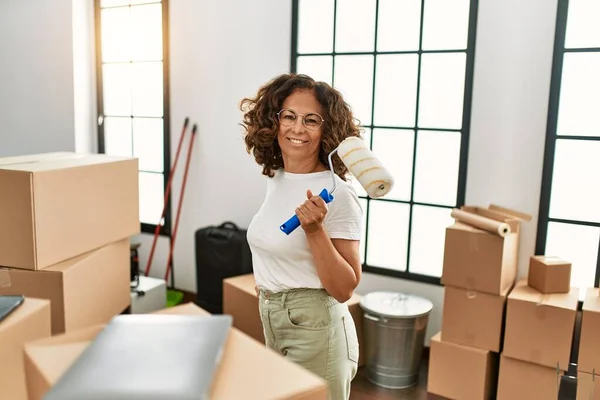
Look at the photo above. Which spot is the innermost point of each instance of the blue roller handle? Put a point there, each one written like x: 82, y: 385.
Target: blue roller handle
x: 291, y: 224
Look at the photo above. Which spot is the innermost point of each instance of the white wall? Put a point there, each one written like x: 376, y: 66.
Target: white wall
x: 222, y: 51
x: 36, y: 77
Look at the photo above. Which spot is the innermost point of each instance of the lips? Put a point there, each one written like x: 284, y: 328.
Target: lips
x: 297, y: 141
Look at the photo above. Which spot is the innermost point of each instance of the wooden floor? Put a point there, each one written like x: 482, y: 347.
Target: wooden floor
x: 362, y: 389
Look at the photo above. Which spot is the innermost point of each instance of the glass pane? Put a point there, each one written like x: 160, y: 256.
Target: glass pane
x: 315, y: 26
x: 398, y: 26
x: 116, y: 90
x: 442, y: 89
x: 117, y: 136
x: 319, y: 68
x: 394, y: 148
x: 388, y: 235
x: 357, y: 186
x: 577, y: 244
x: 583, y: 29
x: 113, y: 3
x: 115, y: 34
x: 148, y: 143
x: 355, y: 25
x: 436, y: 175
x: 146, y: 32
x: 576, y: 180
x: 396, y: 90
x: 363, y: 235
x: 445, y: 24
x: 427, y: 239
x: 354, y: 78
x: 151, y: 197
x: 580, y: 95
x: 147, y: 90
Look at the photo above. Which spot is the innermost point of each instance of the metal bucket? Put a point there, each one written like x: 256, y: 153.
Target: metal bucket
x: 394, y: 329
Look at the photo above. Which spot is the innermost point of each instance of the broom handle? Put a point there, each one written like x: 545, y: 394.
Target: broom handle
x: 185, y: 174
x: 166, y: 199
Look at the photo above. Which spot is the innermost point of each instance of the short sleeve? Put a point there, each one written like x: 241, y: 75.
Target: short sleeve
x: 345, y: 215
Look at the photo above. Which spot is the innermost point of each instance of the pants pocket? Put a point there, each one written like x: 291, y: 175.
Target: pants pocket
x: 351, y: 337
x: 311, y: 318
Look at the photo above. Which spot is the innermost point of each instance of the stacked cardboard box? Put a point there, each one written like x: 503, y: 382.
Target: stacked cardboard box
x: 540, y: 321
x: 479, y: 271
x: 588, y: 363
x: 67, y: 219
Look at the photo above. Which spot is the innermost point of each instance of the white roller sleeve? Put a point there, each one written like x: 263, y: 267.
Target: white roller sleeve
x: 368, y: 170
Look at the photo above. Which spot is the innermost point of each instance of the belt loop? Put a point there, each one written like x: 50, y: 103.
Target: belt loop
x: 283, y: 297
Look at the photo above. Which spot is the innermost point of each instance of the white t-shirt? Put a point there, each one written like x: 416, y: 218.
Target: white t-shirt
x: 283, y: 261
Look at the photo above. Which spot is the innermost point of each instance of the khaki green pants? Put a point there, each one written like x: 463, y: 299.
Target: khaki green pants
x: 311, y: 328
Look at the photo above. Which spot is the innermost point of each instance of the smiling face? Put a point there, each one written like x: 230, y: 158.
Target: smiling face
x: 300, y: 142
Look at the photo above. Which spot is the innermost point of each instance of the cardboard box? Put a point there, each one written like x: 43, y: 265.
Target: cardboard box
x: 589, y: 342
x: 248, y: 370
x: 539, y: 327
x: 84, y: 291
x: 521, y: 380
x: 240, y: 301
x: 549, y: 274
x: 474, y: 319
x: 31, y: 321
x: 461, y: 372
x: 476, y: 259
x: 588, y: 387
x: 62, y: 205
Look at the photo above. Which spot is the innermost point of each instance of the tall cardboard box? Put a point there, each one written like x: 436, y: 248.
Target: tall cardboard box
x: 474, y: 319
x: 521, y: 380
x: 539, y: 327
x: 86, y: 290
x: 479, y: 260
x: 240, y: 301
x: 588, y: 387
x: 461, y: 372
x: 31, y: 321
x: 248, y: 370
x: 589, y: 342
x: 57, y: 206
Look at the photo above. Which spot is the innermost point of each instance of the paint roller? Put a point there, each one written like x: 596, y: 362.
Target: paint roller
x: 366, y: 168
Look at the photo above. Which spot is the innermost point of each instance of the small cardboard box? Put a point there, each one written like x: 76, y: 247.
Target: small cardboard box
x: 60, y: 205
x: 240, y: 301
x: 474, y: 319
x: 521, y: 380
x: 539, y: 327
x: 588, y: 386
x: 549, y: 274
x: 248, y: 370
x: 589, y: 342
x: 479, y: 260
x: 461, y: 372
x: 86, y: 290
x: 31, y: 321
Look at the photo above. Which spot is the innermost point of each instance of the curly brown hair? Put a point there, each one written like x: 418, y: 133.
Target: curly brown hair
x: 261, y: 124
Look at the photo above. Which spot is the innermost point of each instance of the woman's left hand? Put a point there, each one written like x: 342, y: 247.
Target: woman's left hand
x: 312, y: 213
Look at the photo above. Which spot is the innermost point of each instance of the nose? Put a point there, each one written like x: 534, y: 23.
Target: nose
x: 298, y: 126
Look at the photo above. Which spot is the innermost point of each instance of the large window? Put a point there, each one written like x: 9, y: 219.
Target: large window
x: 132, y: 70
x: 406, y: 69
x: 569, y: 223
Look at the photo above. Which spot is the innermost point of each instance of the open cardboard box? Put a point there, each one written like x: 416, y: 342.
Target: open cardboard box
x: 476, y: 259
x: 30, y: 321
x: 248, y: 370
x: 240, y: 301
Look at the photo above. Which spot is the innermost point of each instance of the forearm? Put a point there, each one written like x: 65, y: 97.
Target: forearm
x: 336, y: 274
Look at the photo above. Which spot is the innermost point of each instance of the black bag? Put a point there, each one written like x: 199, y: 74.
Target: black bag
x: 221, y: 252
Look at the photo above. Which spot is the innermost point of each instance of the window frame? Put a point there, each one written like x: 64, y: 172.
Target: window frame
x: 465, y: 130
x: 551, y: 136
x: 165, y: 228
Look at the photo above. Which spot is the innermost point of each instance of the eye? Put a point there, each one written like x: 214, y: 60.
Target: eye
x: 312, y: 120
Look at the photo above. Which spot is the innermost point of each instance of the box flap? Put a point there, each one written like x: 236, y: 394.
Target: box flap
x: 524, y: 292
x: 511, y: 213
x: 592, y: 300
x: 56, y: 162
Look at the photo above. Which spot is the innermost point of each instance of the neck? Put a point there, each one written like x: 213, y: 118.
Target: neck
x: 302, y: 166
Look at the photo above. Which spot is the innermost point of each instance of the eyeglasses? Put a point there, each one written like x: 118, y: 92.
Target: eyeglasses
x: 310, y: 121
